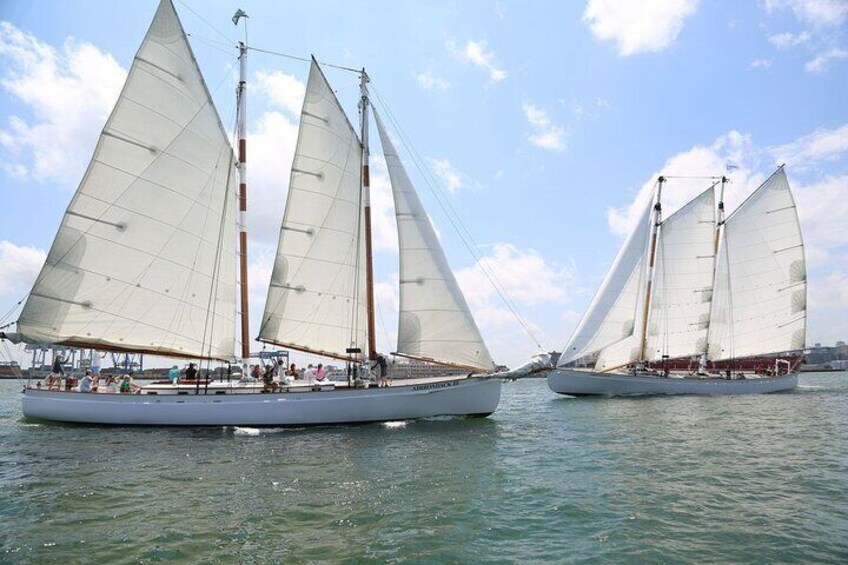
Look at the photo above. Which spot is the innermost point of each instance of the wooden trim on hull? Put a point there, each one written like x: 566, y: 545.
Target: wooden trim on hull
x: 586, y: 383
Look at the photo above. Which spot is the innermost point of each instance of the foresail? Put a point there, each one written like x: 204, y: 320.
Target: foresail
x: 683, y: 281
x: 144, y: 259
x: 613, y: 314
x: 435, y: 322
x: 316, y: 296
x: 759, y: 305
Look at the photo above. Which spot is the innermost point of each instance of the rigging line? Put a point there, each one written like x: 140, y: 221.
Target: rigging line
x: 693, y: 177
x: 383, y: 325
x: 456, y: 222
x: 466, y: 237
x: 11, y: 311
x: 212, y: 44
x: 207, y: 22
x: 445, y: 202
x: 306, y: 59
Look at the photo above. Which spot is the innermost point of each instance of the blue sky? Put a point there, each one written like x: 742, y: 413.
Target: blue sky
x: 543, y: 122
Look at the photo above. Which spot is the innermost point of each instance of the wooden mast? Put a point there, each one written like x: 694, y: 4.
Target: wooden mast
x: 652, y: 256
x: 366, y: 197
x: 242, y: 195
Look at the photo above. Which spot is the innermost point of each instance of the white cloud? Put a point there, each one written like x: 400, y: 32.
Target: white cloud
x: 812, y: 149
x: 69, y: 93
x: 733, y: 147
x: 824, y: 59
x: 474, y: 52
x: 19, y: 265
x: 761, y: 64
x: 270, y: 148
x: 813, y: 12
x: 638, y: 27
x: 383, y: 223
x: 788, y: 39
x: 500, y: 10
x: 429, y: 81
x: 546, y: 134
x: 283, y: 90
x: 452, y: 179
x: 525, y: 275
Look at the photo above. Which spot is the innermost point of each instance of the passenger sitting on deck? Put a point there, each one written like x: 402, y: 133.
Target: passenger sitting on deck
x: 255, y: 372
x: 191, y: 373
x: 85, y: 382
x: 51, y: 381
x: 293, y: 372
x: 110, y: 386
x: 174, y: 374
x: 127, y: 385
x: 309, y: 373
x: 268, y: 379
x: 320, y: 373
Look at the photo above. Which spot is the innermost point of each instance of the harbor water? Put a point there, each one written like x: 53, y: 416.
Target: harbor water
x: 546, y: 479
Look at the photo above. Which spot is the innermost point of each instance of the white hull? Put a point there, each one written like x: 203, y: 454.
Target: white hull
x: 580, y: 383
x: 436, y: 397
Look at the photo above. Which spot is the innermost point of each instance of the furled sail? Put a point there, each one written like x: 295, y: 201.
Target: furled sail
x: 759, y: 305
x: 683, y: 281
x: 144, y: 259
x: 316, y: 297
x: 435, y: 322
x: 613, y: 314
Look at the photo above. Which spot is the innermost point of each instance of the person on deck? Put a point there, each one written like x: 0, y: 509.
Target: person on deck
x: 384, y: 370
x: 174, y: 374
x: 127, y: 385
x: 320, y: 373
x: 57, y: 365
x: 268, y: 379
x: 255, y: 372
x: 85, y: 382
x: 191, y: 372
x: 293, y: 372
x: 95, y: 362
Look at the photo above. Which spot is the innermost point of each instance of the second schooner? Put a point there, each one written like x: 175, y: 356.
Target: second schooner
x: 696, y: 304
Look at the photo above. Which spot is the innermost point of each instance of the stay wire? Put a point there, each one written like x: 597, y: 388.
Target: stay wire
x: 306, y: 59
x: 453, y: 217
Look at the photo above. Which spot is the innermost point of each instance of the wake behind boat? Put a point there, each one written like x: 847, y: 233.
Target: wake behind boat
x: 701, y: 288
x: 145, y: 262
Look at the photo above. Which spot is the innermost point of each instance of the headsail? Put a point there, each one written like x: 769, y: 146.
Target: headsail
x: 683, y: 281
x: 435, y: 322
x: 316, y: 297
x: 144, y: 259
x: 760, y: 300
x: 614, y: 311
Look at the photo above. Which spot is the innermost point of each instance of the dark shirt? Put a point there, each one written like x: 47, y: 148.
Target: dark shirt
x: 57, y: 367
x: 191, y: 373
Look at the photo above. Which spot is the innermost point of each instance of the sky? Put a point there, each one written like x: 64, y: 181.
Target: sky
x: 542, y: 125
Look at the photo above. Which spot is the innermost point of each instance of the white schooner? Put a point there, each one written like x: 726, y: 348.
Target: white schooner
x: 727, y: 297
x: 145, y: 261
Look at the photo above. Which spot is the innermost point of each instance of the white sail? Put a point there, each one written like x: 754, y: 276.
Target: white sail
x: 683, y: 281
x: 316, y: 297
x: 435, y: 322
x: 613, y: 314
x: 759, y: 304
x: 145, y: 256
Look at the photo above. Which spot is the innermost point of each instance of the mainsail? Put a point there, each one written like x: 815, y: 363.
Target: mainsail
x: 760, y: 300
x: 316, y: 296
x: 614, y: 312
x: 683, y: 281
x: 144, y: 259
x: 435, y: 322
